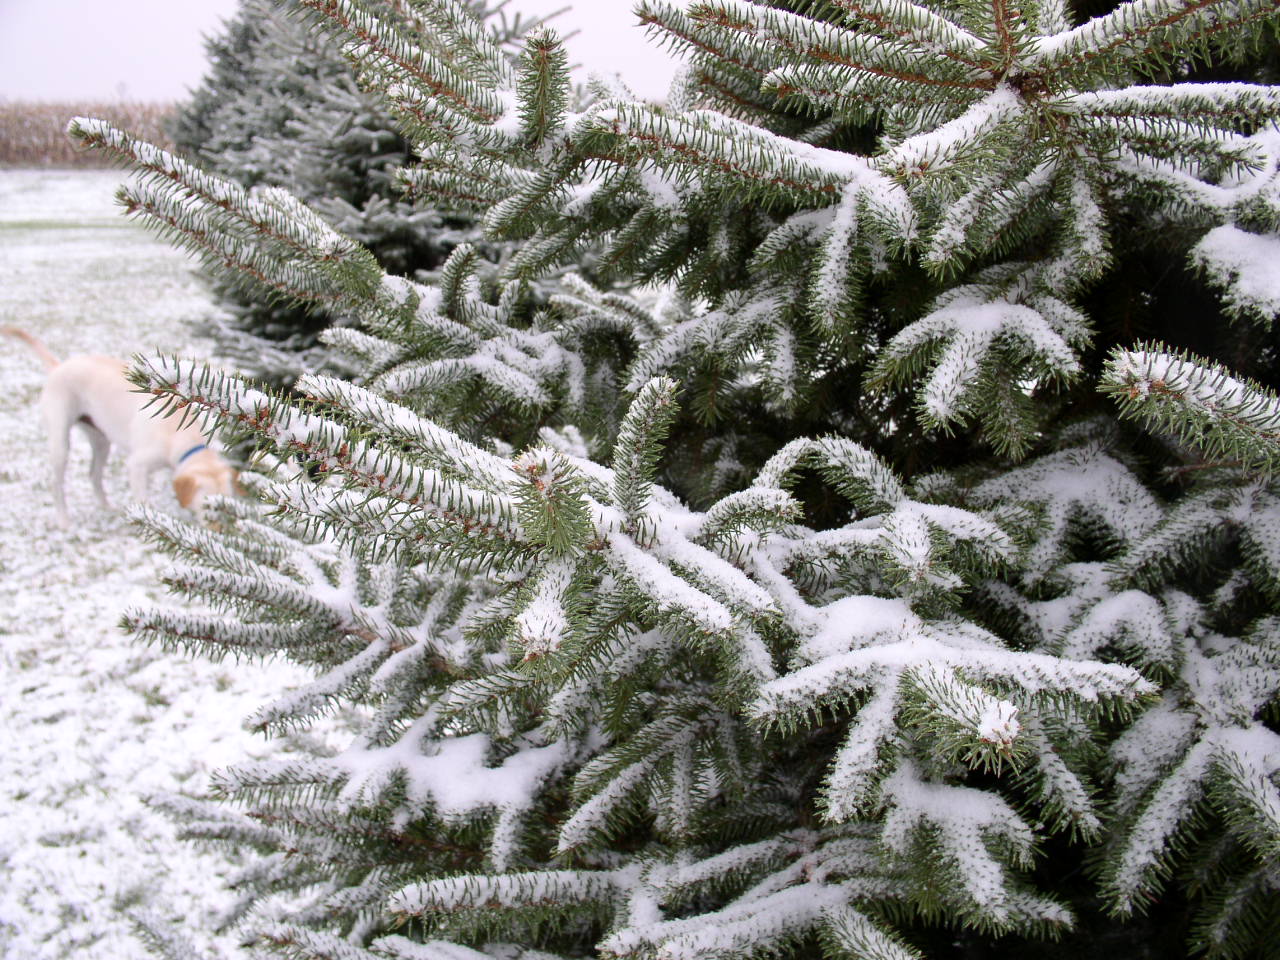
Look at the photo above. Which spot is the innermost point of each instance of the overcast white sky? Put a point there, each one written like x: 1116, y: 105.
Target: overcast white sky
x: 154, y: 49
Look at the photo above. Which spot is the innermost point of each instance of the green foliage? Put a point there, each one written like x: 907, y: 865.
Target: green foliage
x: 818, y: 594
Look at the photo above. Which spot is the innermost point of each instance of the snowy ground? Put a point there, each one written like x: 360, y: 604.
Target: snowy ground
x: 89, y: 721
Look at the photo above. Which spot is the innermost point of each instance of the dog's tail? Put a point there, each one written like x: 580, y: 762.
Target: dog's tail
x: 34, y: 343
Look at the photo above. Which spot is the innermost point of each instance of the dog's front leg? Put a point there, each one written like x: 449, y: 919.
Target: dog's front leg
x: 139, y: 472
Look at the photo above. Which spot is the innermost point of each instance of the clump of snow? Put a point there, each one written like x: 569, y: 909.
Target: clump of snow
x: 542, y: 625
x: 1244, y: 264
x: 455, y: 777
x: 999, y: 723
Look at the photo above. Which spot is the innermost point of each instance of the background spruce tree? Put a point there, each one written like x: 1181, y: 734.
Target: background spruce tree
x: 902, y: 582
x: 280, y: 107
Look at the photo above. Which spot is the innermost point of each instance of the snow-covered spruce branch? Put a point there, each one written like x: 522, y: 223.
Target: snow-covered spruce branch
x: 825, y: 43
x: 329, y: 447
x: 1221, y: 416
x: 627, y: 132
x: 918, y: 25
x: 1081, y: 482
x: 979, y: 344
x: 222, y: 250
x: 1216, y: 104
x: 543, y: 87
x: 379, y: 46
x: 1208, y: 744
x: 272, y: 214
x: 1150, y: 31
x: 1239, y: 514
x: 673, y: 25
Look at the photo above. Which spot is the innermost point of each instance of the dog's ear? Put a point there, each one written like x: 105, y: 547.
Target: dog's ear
x: 185, y: 487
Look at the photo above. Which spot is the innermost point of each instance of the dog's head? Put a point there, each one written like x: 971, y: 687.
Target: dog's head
x: 206, y: 474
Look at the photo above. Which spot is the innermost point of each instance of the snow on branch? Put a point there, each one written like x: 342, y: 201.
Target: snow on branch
x: 967, y: 133
x: 817, y: 41
x: 1244, y: 265
x: 460, y: 456
x: 1218, y: 104
x: 919, y: 26
x: 972, y: 821
x: 985, y: 352
x: 1079, y: 485
x: 1145, y: 29
x: 378, y: 46
x: 1222, y: 416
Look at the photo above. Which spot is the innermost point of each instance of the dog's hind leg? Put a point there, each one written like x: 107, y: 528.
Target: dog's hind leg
x: 58, y: 411
x: 101, y: 446
x: 59, y: 437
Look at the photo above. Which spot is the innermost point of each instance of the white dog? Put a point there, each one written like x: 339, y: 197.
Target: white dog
x: 92, y: 393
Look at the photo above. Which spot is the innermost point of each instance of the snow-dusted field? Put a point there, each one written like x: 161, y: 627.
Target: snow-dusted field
x: 89, y: 721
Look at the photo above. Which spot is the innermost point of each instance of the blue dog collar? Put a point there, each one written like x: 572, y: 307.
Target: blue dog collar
x: 194, y: 450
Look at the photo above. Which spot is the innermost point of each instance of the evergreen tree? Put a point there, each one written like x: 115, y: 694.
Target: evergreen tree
x: 877, y: 591
x: 281, y: 107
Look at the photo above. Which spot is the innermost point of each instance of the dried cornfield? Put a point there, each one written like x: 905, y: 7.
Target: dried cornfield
x: 33, y: 134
